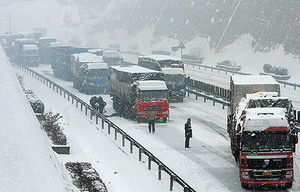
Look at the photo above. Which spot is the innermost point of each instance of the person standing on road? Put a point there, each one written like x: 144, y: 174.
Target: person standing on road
x: 151, y: 121
x: 188, y: 132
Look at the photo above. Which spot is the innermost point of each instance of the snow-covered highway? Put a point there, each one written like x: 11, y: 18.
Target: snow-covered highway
x: 210, y: 150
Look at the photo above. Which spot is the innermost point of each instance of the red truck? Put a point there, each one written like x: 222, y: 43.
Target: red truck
x: 137, y: 90
x: 261, y: 126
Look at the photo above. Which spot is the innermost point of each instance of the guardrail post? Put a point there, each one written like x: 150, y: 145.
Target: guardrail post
x: 149, y: 163
x: 56, y: 89
x: 76, y: 103
x: 196, y: 97
x: 53, y: 87
x: 102, y: 123
x: 294, y: 86
x: 131, y: 146
x: 186, y: 189
x: 72, y: 100
x: 60, y: 92
x: 172, y: 178
x: 86, y: 110
x: 81, y: 106
x: 204, y: 99
x: 140, y: 154
x: 116, y: 133
x: 123, y: 140
x: 223, y: 107
x: 159, y: 171
x: 91, y: 114
x: 214, y: 103
x: 96, y: 119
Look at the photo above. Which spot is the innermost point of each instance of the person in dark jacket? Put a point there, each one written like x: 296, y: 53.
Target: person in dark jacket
x: 93, y: 101
x: 101, y: 104
x: 151, y: 121
x: 188, y: 132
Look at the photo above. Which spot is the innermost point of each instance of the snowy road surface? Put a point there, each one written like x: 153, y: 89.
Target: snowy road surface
x: 208, y: 164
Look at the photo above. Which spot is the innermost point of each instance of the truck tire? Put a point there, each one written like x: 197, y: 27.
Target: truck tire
x: 288, y: 185
x: 245, y: 185
x: 165, y: 119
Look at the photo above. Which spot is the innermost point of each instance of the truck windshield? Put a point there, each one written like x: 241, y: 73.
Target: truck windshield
x: 153, y: 95
x: 177, y: 78
x: 281, y: 103
x: 265, y: 141
x: 101, y: 73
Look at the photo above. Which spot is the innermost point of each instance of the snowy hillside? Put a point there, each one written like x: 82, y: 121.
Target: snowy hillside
x: 27, y: 161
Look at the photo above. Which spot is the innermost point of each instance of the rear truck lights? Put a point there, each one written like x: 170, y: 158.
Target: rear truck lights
x: 289, y: 174
x: 245, y: 175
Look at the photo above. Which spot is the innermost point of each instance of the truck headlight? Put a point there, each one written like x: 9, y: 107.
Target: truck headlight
x: 289, y: 174
x: 245, y: 175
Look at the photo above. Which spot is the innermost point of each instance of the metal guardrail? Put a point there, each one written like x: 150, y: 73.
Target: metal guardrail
x: 208, y: 97
x: 198, y: 64
x: 193, y: 63
x: 110, y: 125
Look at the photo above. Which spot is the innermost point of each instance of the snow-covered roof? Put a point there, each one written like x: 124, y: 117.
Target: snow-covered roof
x: 30, y: 47
x: 97, y: 66
x: 160, y: 57
x: 253, y: 79
x: 25, y: 40
x: 152, y: 85
x: 56, y: 44
x: 261, y: 119
x: 27, y: 161
x: 88, y: 58
x: 94, y: 50
x: 133, y: 69
x: 47, y: 38
x: 172, y: 71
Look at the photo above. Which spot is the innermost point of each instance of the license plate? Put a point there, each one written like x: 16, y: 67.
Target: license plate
x: 267, y: 173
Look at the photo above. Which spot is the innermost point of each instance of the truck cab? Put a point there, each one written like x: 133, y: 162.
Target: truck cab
x: 174, y: 78
x: 266, y: 142
x: 152, y: 95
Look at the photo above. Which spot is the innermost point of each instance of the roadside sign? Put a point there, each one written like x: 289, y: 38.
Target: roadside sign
x: 181, y: 45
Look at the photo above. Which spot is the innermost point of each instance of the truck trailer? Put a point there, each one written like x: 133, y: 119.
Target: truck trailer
x: 261, y: 127
x: 136, y: 91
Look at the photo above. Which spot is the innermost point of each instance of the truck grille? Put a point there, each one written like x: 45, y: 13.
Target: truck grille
x: 263, y: 175
x: 154, y: 108
x: 267, y: 164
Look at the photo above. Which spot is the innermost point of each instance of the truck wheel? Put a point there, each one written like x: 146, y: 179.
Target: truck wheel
x: 245, y: 185
x: 288, y: 185
x: 164, y: 119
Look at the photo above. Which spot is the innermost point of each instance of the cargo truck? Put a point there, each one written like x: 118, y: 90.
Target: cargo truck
x: 137, y: 90
x: 90, y: 73
x: 44, y: 45
x: 261, y: 126
x: 173, y: 68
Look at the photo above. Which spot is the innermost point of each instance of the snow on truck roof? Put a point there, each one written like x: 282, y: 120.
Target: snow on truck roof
x: 253, y: 79
x: 134, y: 69
x: 30, y: 47
x: 97, y: 66
x: 160, y: 57
x: 261, y: 119
x: 152, y: 85
x: 88, y: 57
x: 47, y: 38
x: 172, y: 71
